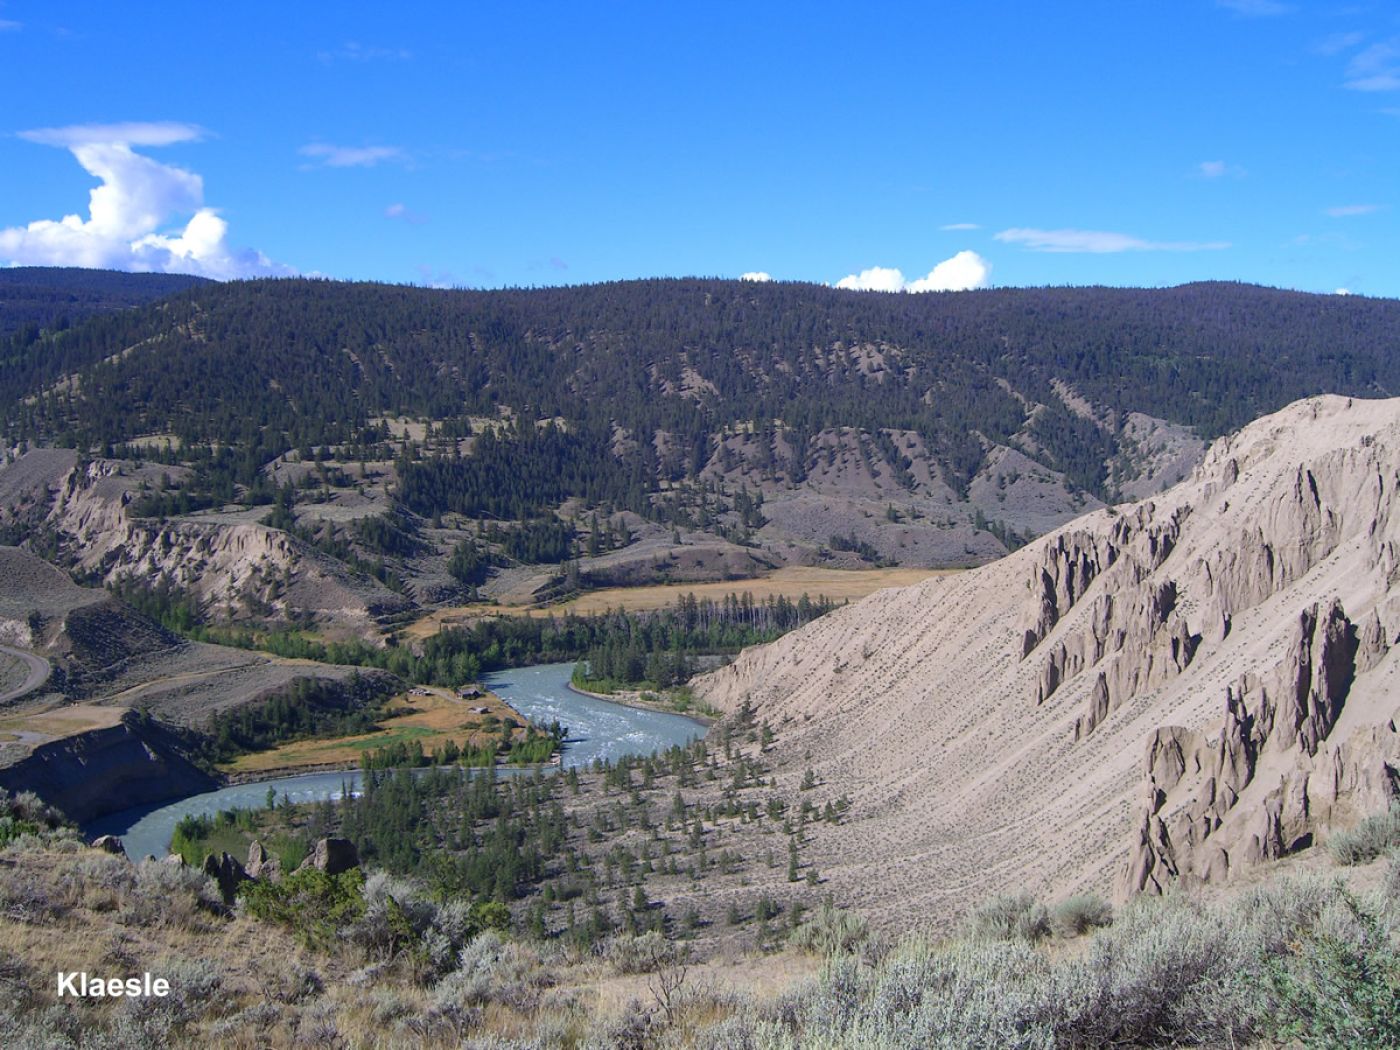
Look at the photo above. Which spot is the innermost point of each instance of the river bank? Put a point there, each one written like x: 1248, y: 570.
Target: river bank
x: 633, y: 698
x: 599, y: 728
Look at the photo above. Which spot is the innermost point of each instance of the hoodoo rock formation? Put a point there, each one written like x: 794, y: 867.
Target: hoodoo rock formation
x: 1181, y: 687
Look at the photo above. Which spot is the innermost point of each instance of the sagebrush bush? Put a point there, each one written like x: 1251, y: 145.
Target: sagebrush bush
x: 641, y: 953
x: 1166, y: 972
x: 169, y: 895
x: 830, y: 930
x: 1077, y: 915
x: 1368, y: 840
x: 1011, y: 917
x: 1299, y: 961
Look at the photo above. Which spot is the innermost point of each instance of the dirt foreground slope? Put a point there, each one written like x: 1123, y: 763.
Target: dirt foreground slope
x: 1179, y: 687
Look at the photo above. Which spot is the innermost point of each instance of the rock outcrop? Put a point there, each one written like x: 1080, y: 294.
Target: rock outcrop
x: 1179, y: 688
x: 227, y: 872
x: 332, y: 856
x: 261, y: 864
x: 235, y: 567
x: 109, y: 844
x: 132, y: 762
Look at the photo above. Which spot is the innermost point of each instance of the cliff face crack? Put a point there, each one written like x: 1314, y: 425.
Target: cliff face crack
x: 1288, y: 714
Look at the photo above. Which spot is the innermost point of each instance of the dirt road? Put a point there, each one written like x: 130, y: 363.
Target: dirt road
x: 37, y: 673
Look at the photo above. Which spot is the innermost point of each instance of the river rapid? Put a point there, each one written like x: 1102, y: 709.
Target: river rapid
x: 597, y: 729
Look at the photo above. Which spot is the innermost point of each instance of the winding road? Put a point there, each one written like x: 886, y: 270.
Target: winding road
x: 37, y: 668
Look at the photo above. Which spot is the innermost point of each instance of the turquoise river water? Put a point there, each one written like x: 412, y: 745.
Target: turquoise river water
x: 597, y: 729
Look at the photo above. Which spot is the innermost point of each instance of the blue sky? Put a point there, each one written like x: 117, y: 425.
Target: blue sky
x: 919, y: 146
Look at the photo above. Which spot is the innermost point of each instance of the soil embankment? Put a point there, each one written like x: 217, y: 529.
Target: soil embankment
x: 131, y: 762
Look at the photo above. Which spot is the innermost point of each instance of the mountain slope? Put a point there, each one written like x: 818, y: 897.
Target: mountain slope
x: 963, y: 421
x: 1183, y: 686
x: 51, y: 296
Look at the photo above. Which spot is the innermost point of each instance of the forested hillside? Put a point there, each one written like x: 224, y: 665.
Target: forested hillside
x: 39, y: 297
x: 779, y: 422
x: 315, y: 360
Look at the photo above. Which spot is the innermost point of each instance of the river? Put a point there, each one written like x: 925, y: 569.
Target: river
x: 597, y: 729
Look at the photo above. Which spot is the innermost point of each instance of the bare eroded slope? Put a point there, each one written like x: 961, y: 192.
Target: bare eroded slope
x: 1182, y: 686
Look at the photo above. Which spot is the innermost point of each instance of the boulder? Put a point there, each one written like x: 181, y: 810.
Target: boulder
x: 227, y: 872
x: 261, y: 864
x: 109, y: 844
x: 332, y: 856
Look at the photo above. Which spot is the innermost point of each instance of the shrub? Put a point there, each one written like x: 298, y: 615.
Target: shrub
x: 1079, y: 914
x: 1368, y: 840
x: 312, y: 904
x: 645, y: 953
x: 169, y: 895
x: 1339, y: 988
x: 830, y: 931
x: 1011, y: 917
x: 1166, y: 972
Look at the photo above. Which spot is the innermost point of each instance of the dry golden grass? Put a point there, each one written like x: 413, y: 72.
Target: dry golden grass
x: 63, y: 721
x: 791, y: 582
x: 432, y: 720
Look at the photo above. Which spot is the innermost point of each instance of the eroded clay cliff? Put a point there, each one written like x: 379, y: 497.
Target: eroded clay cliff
x: 1180, y: 687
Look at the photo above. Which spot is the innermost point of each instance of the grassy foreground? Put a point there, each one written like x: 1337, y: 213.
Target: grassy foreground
x: 370, y: 960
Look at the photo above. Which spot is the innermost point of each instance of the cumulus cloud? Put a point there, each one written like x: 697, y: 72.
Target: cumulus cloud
x: 1376, y: 68
x: 130, y: 212
x: 1342, y: 291
x: 351, y: 156
x: 875, y: 279
x: 1098, y: 242
x: 964, y: 271
x: 1344, y: 211
x: 756, y: 275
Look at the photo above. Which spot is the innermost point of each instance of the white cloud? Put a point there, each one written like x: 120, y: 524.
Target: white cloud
x: 353, y: 51
x: 1256, y: 8
x: 962, y: 272
x: 351, y: 156
x: 130, y: 211
x: 961, y: 226
x: 1342, y: 291
x: 1218, y: 169
x: 1343, y: 211
x: 402, y: 212
x: 1377, y: 68
x: 131, y: 133
x: 1337, y: 43
x: 875, y: 279
x: 8, y: 26
x: 756, y: 275
x: 1098, y: 242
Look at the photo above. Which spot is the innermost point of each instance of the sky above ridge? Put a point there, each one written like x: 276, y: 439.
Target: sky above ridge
x: 918, y: 147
